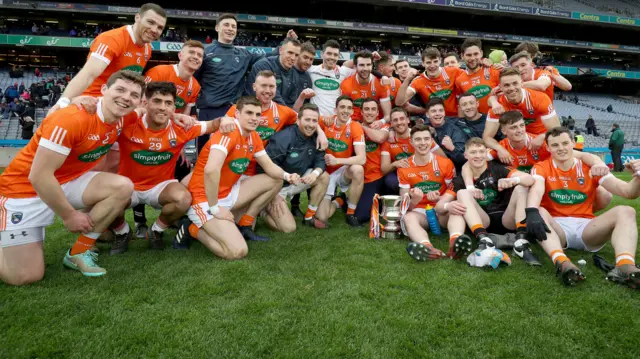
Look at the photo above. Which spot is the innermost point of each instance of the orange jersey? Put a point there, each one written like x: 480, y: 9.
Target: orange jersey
x: 535, y: 107
x: 81, y: 137
x: 148, y: 157
x: 538, y: 73
x: 402, y: 149
x: 480, y: 84
x: 436, y: 175
x: 187, y: 91
x: 523, y: 159
x: 569, y: 193
x: 442, y: 86
x: 352, y: 88
x: 239, y: 151
x: 272, y: 120
x: 117, y: 48
x: 393, y: 93
x: 372, y: 169
x: 342, y: 140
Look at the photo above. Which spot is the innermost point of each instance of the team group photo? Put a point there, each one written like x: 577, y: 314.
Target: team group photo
x: 259, y: 198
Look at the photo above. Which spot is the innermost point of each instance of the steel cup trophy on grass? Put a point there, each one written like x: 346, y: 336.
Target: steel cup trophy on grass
x: 389, y: 227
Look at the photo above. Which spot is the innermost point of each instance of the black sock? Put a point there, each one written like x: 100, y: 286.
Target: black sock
x: 480, y: 232
x: 295, y: 201
x: 138, y: 214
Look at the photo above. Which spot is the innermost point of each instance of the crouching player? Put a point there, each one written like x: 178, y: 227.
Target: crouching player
x: 425, y: 179
x: 53, y: 175
x: 220, y: 195
x: 560, y: 212
x: 149, y: 150
x: 499, y: 209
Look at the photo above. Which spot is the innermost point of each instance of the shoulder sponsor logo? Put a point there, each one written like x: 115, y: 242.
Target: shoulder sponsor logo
x: 567, y: 196
x: 327, y: 84
x: 149, y: 158
x: 238, y: 166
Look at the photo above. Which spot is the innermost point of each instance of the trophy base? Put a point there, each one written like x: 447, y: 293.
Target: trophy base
x: 391, y: 235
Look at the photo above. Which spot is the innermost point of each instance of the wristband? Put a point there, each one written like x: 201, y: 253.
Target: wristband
x: 316, y: 172
x: 63, y: 102
x: 471, y: 187
x: 445, y: 207
x: 213, y: 210
x: 285, y: 175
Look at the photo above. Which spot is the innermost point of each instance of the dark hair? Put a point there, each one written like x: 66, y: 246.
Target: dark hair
x: 308, y: 106
x: 153, y: 7
x: 247, y: 100
x: 226, y: 16
x: 420, y: 128
x: 510, y: 117
x: 308, y: 47
x: 430, y: 53
x: 509, y: 71
x: 370, y: 99
x: 555, y: 132
x: 193, y: 43
x: 398, y: 109
x: 518, y: 56
x: 384, y: 58
x: 343, y: 97
x: 467, y: 94
x: 474, y: 141
x: 291, y: 40
x: 470, y: 42
x: 400, y: 61
x: 362, y: 55
x: 127, y: 75
x: 160, y: 87
x: 530, y: 47
x: 449, y: 54
x: 576, y: 132
x: 331, y: 43
x: 434, y: 101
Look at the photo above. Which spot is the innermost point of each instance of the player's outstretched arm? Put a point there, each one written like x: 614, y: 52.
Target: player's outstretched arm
x: 540, y: 84
x: 212, y: 175
x: 561, y: 82
x: 525, y: 179
x: 443, y: 203
x: 275, y: 171
x: 536, y: 192
x: 490, y: 130
x: 359, y: 159
x: 404, y: 93
x: 628, y: 190
x: 377, y: 136
x: 89, y: 72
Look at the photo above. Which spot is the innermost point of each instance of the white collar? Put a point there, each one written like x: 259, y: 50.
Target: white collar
x: 175, y: 68
x: 555, y: 165
x: 239, y: 127
x: 130, y: 31
x: 99, y: 110
x: 146, y: 124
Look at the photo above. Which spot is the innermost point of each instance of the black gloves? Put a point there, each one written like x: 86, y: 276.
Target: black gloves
x: 536, y: 228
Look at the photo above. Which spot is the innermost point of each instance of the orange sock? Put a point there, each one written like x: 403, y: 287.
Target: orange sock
x: 338, y: 202
x: 558, y: 256
x: 452, y: 238
x: 246, y: 220
x: 194, y: 230
x: 311, y: 211
x: 520, y: 225
x: 426, y: 242
x: 84, y: 243
x: 351, y: 208
x: 625, y: 259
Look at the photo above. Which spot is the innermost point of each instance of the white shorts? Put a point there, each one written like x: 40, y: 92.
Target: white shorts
x: 198, y: 214
x: 150, y: 197
x: 573, y: 228
x: 337, y: 179
x: 23, y: 214
x: 291, y: 190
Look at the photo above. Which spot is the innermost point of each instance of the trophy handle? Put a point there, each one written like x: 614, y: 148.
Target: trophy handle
x: 397, y: 202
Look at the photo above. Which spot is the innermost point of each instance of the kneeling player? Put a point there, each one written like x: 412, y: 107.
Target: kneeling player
x: 344, y: 159
x: 53, y: 175
x: 220, y: 195
x: 149, y: 150
x: 566, y: 188
x: 294, y: 149
x: 500, y: 209
x: 425, y: 179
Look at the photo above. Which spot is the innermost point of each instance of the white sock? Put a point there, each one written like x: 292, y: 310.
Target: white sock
x: 159, y: 226
x: 123, y: 229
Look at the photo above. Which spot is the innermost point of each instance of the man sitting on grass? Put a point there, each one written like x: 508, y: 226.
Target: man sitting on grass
x: 566, y: 187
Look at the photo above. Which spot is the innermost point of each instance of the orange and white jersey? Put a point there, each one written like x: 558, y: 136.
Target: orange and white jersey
x: 538, y: 73
x: 372, y: 168
x: 535, y: 107
x: 272, y: 120
x: 437, y: 175
x: 342, y: 140
x: 402, y: 149
x: 148, y: 157
x: 523, y: 159
x: 442, y: 86
x: 82, y: 137
x: 352, y: 88
x: 569, y: 193
x: 480, y: 84
x: 393, y: 93
x: 118, y: 49
x: 186, y: 91
x: 239, y: 148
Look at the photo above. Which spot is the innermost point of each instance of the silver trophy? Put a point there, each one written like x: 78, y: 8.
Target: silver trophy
x: 391, y: 214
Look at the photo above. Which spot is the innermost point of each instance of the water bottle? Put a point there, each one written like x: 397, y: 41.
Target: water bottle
x: 432, y: 218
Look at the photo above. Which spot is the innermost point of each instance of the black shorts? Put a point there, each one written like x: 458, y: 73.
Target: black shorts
x: 496, y: 223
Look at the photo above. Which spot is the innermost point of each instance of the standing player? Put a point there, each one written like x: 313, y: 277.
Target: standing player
x: 436, y: 81
x: 451, y: 59
x: 560, y: 212
x: 425, y: 180
x: 52, y: 175
x: 533, y: 78
x: 415, y: 105
x: 344, y: 158
x: 149, y: 148
x: 558, y: 80
x: 500, y: 209
x: 327, y: 78
x: 535, y: 107
x: 127, y: 47
x: 476, y: 79
x: 219, y: 195
x: 363, y: 85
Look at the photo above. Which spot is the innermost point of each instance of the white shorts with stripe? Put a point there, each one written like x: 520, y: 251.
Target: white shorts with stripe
x: 18, y: 214
x: 150, y: 197
x: 198, y: 214
x: 573, y: 228
x: 338, y: 179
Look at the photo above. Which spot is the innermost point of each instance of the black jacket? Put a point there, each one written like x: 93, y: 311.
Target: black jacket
x: 475, y: 128
x: 286, y: 80
x: 458, y: 137
x: 294, y: 152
